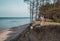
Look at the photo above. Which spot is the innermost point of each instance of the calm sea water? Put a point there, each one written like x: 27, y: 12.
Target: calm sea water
x: 8, y: 22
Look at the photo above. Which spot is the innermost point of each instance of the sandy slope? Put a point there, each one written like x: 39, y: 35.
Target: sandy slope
x: 50, y: 31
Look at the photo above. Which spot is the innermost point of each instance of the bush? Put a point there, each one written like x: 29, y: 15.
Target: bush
x: 56, y: 17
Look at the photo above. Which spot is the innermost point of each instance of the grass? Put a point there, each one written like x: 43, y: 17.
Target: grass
x: 51, y: 23
x: 45, y: 23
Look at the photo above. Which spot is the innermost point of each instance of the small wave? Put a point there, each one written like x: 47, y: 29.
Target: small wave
x: 13, y: 21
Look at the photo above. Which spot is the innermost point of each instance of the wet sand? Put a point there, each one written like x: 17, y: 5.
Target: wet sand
x: 12, y: 33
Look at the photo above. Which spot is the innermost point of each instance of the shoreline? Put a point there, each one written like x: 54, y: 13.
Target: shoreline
x: 12, y: 27
x: 12, y: 33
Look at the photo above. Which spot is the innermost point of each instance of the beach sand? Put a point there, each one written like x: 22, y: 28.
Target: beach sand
x: 12, y: 33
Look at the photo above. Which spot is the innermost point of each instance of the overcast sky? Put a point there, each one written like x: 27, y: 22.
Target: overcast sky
x: 13, y: 8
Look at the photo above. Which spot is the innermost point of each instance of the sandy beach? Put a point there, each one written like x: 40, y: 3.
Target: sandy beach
x: 12, y: 33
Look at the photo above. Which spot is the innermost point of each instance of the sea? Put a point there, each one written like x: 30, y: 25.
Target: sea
x: 9, y: 22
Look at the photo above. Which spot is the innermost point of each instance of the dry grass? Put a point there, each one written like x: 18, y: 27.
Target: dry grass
x: 50, y: 23
x: 46, y: 23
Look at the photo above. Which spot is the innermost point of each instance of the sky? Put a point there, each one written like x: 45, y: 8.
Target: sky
x: 13, y: 8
